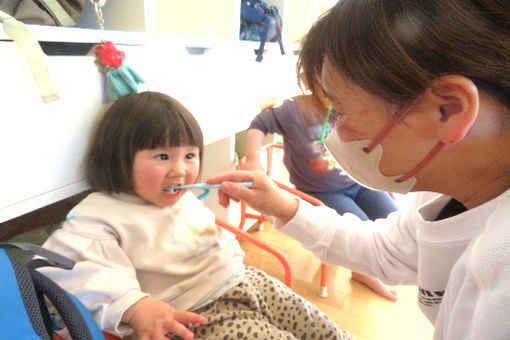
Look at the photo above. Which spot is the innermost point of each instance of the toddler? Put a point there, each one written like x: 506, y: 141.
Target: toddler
x: 152, y: 262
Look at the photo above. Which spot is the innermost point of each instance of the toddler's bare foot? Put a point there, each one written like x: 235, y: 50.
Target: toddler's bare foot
x: 376, y: 285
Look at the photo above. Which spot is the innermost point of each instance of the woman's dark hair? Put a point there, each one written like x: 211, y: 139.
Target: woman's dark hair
x: 137, y: 121
x: 395, y: 49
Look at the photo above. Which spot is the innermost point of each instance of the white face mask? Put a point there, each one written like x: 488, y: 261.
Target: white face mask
x: 363, y: 166
x: 361, y: 159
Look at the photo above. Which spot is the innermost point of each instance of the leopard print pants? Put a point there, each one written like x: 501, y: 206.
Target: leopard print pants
x: 261, y: 307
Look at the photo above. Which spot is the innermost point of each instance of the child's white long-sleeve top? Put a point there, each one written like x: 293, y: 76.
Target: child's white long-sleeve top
x: 127, y: 248
x: 461, y: 264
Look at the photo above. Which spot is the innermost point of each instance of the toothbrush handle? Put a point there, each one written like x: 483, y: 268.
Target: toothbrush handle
x: 204, y: 186
x: 247, y: 184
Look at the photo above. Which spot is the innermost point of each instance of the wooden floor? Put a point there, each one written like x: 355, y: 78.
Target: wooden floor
x: 353, y: 306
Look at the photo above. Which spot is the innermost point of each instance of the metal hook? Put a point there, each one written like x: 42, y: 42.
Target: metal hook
x: 98, y: 7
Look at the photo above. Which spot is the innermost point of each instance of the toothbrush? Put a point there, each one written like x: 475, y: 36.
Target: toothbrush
x: 203, y: 186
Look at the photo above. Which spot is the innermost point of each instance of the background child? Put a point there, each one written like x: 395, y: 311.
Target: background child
x: 147, y: 257
x: 297, y: 120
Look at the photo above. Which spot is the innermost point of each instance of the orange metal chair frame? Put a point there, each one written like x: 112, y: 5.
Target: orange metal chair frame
x: 323, y: 292
x: 248, y: 237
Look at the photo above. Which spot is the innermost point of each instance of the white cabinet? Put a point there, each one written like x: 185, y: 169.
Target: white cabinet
x: 42, y: 145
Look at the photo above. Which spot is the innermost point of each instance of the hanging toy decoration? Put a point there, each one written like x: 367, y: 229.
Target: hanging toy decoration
x: 119, y: 79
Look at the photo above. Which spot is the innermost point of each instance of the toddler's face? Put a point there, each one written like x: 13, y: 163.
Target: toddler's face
x: 156, y: 169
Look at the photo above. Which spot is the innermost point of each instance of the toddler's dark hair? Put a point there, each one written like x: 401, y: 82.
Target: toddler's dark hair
x: 137, y: 121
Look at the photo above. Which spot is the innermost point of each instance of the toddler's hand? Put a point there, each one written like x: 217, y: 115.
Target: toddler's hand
x: 151, y: 319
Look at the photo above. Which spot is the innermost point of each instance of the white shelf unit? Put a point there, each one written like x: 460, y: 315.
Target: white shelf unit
x: 42, y: 145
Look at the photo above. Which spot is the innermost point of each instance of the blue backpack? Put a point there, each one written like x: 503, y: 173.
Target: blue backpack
x: 23, y: 292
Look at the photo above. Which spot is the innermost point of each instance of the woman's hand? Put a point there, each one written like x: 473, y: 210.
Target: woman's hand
x: 151, y: 319
x: 264, y: 196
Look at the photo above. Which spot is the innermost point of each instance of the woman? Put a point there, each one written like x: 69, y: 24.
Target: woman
x: 428, y: 83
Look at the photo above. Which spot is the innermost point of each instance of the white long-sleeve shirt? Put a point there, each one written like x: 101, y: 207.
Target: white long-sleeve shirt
x: 127, y: 248
x: 461, y: 264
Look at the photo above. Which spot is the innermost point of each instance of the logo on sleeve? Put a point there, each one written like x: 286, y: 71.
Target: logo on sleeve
x: 430, y: 298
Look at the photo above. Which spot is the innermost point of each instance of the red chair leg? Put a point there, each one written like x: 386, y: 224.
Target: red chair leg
x: 245, y: 236
x: 324, y: 281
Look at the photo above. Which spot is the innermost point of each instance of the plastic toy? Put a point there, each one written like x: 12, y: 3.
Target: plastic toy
x: 120, y: 79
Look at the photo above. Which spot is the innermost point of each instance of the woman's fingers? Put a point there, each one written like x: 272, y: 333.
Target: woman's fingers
x: 264, y: 196
x: 229, y: 190
x: 236, y: 191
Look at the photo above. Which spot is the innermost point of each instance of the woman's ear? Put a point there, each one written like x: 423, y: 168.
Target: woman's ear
x: 456, y: 99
